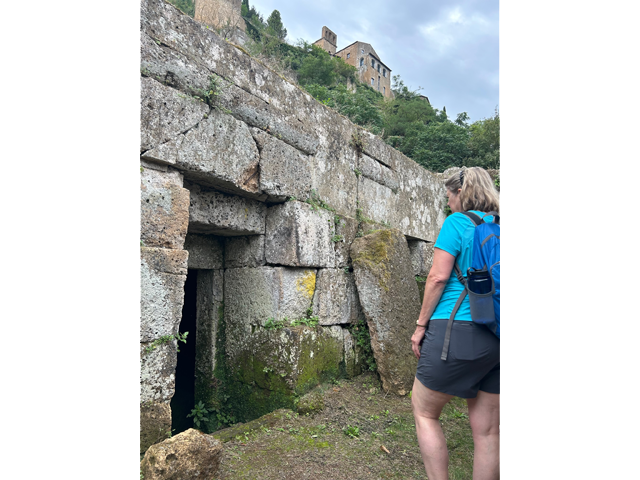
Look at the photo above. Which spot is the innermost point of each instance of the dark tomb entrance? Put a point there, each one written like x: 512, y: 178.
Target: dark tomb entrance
x: 183, y: 399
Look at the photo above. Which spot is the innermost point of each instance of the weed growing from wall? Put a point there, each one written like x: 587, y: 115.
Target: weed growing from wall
x: 180, y: 337
x: 362, y: 338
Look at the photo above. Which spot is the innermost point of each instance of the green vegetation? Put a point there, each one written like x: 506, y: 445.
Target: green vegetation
x: 362, y: 339
x: 180, y: 337
x: 187, y: 6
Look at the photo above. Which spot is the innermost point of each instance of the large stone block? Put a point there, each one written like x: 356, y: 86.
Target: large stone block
x: 165, y: 113
x: 155, y: 424
x: 209, y: 310
x: 375, y: 147
x: 335, y: 300
x: 254, y: 295
x: 421, y: 256
x: 346, y: 230
x: 190, y: 454
x: 421, y: 200
x: 172, y: 68
x: 389, y: 297
x: 334, y: 178
x: 164, y: 206
x: 162, y: 277
x: 245, y: 251
x: 157, y: 372
x: 284, y: 171
x: 217, y: 213
x: 274, y: 367
x: 298, y: 235
x: 378, y: 172
x: 205, y: 251
x: 378, y: 202
x: 219, y: 152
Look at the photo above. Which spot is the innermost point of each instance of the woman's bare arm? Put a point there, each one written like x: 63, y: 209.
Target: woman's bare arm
x: 436, y: 281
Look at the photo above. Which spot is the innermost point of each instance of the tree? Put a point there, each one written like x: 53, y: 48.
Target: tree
x: 484, y: 143
x: 317, y: 68
x: 275, y: 26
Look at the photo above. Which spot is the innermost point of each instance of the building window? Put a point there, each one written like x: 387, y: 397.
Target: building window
x: 372, y: 82
x: 373, y: 63
x: 384, y: 72
x: 378, y: 68
x: 348, y: 55
x: 378, y: 82
x: 362, y: 50
x: 361, y: 61
x: 384, y: 90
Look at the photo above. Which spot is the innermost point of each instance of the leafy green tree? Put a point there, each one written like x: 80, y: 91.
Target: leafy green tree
x: 437, y: 146
x: 317, y: 68
x: 275, y: 26
x: 484, y: 143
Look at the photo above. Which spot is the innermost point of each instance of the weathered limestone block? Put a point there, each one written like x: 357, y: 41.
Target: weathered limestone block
x: 254, y: 295
x: 354, y: 365
x: 209, y: 310
x: 162, y: 277
x: 244, y: 251
x: 336, y: 300
x: 205, y: 251
x: 165, y: 113
x: 375, y: 147
x: 421, y: 256
x: 284, y: 171
x: 190, y: 454
x: 378, y: 202
x: 255, y: 112
x: 157, y: 372
x: 346, y: 230
x: 164, y: 205
x: 296, y: 235
x: 155, y: 423
x: 275, y: 366
x: 217, y: 213
x: 219, y: 152
x: 389, y: 297
x: 421, y: 200
x: 172, y: 68
x: 378, y: 172
x: 334, y: 178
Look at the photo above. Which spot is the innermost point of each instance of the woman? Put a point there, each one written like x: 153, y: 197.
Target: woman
x: 472, y: 368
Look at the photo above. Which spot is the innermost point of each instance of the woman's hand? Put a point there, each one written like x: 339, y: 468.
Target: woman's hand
x: 416, y: 340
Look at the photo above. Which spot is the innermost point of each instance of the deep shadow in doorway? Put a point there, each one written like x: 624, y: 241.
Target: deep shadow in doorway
x: 183, y: 399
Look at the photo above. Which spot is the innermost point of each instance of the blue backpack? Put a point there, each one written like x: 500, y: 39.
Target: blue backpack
x: 482, y: 283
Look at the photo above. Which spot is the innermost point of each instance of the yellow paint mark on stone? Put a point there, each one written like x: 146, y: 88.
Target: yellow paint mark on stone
x: 307, y: 283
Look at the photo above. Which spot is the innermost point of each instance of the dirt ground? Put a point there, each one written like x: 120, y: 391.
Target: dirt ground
x: 361, y: 433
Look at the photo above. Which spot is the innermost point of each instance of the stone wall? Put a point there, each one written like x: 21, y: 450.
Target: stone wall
x: 261, y: 190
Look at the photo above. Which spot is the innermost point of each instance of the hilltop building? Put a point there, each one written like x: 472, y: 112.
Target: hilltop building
x: 371, y: 70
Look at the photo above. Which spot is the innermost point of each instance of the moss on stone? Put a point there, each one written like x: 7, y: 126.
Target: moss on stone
x: 374, y: 255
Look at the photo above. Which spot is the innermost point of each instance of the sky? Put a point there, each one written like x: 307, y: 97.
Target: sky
x: 449, y: 48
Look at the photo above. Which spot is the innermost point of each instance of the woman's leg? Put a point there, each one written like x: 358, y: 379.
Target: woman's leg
x: 484, y: 416
x: 427, y: 405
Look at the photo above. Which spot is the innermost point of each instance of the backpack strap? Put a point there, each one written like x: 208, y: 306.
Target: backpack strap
x: 447, y: 335
x: 496, y: 216
x: 473, y: 217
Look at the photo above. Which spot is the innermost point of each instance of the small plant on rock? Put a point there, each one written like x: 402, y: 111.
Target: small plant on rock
x: 199, y: 414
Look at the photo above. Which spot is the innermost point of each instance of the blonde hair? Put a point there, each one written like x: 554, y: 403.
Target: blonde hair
x: 477, y: 191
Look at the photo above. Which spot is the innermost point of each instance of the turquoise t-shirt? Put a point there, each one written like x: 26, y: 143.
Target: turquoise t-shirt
x: 456, y: 238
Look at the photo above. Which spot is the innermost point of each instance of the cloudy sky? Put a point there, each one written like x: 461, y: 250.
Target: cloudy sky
x: 449, y: 48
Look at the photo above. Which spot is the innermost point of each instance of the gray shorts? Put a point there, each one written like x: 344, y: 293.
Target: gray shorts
x: 473, y: 361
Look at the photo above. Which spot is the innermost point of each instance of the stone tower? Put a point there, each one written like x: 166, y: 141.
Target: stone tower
x: 219, y: 13
x: 328, y: 42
